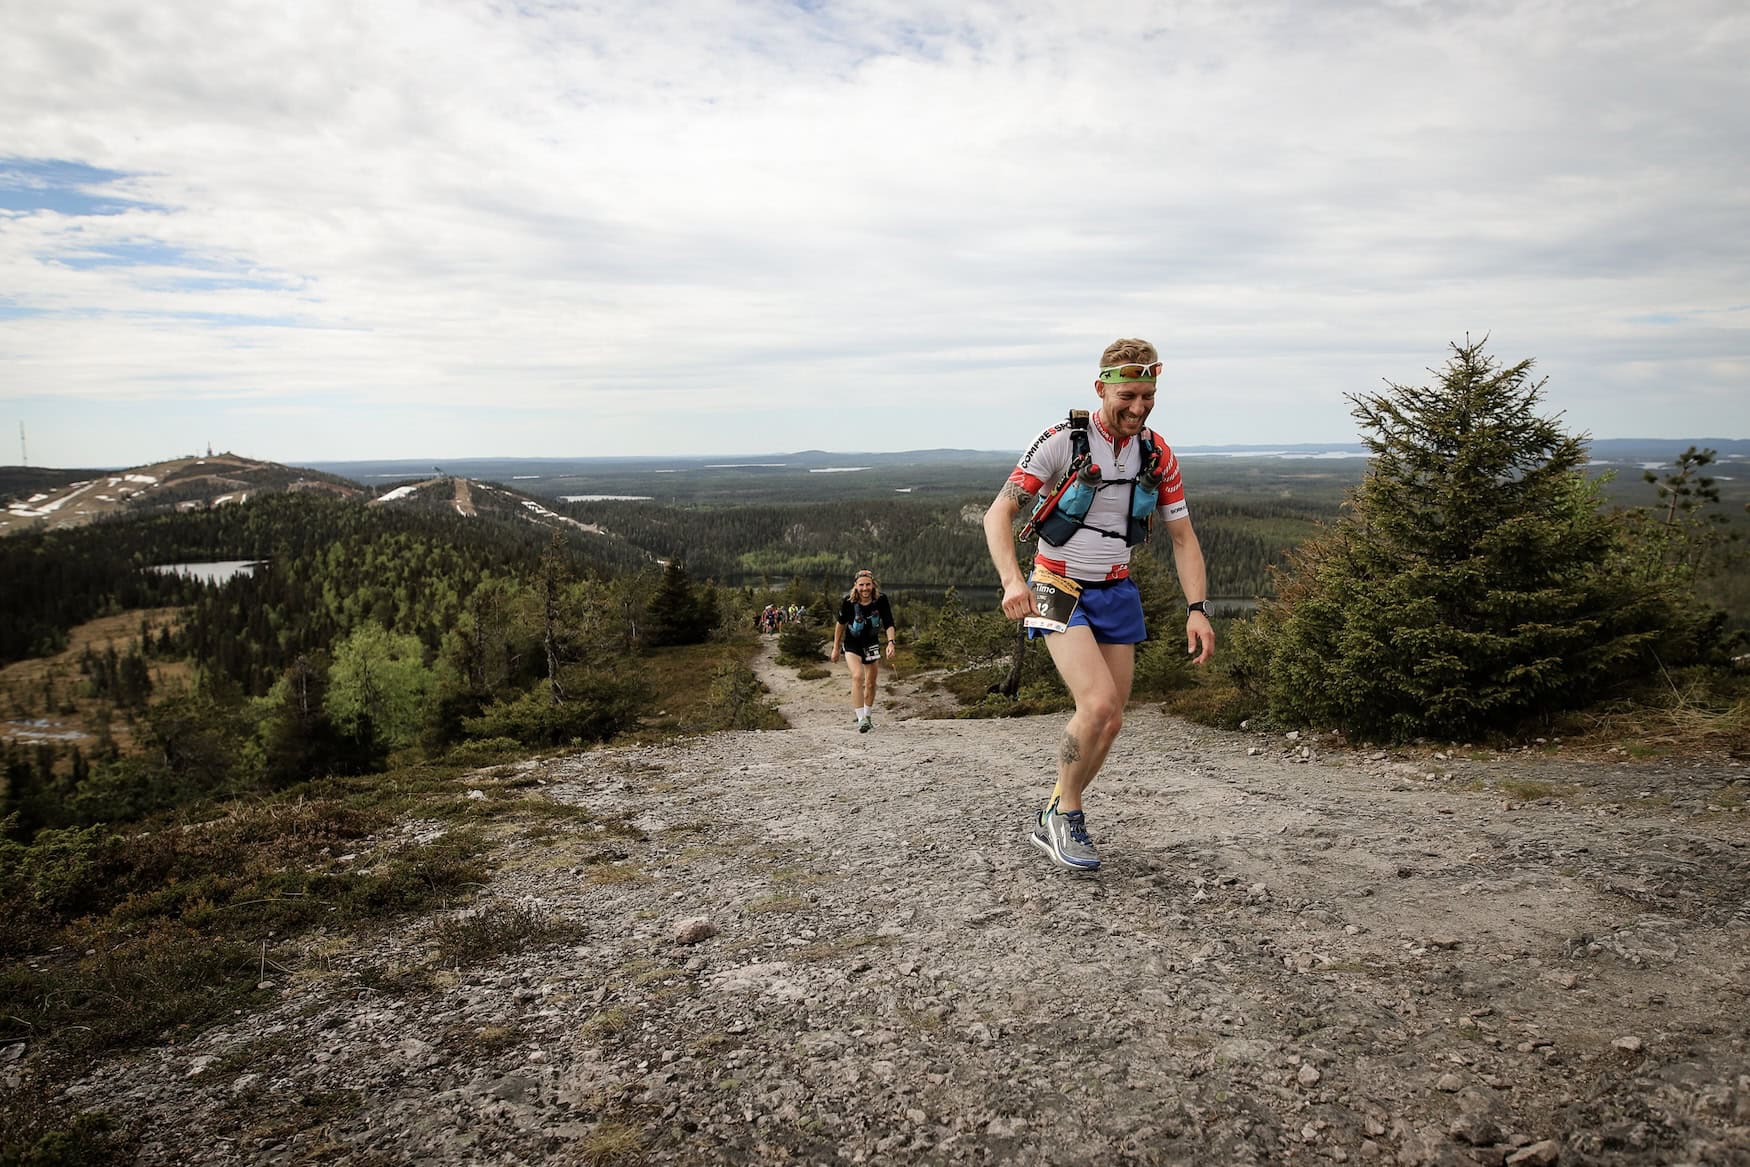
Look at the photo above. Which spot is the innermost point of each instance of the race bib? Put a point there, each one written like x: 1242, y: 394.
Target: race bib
x: 872, y: 654
x: 1055, y: 597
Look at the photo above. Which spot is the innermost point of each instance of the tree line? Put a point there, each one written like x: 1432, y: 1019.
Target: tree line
x: 919, y: 545
x: 1474, y: 579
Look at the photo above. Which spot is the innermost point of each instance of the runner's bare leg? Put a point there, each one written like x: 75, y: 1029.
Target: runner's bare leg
x: 1121, y: 663
x: 1098, y: 677
x: 855, y: 664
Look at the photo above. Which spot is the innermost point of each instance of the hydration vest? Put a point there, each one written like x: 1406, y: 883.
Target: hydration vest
x: 864, y: 617
x: 1063, y: 510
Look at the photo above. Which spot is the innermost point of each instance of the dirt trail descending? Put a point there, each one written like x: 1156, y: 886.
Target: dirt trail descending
x: 826, y: 947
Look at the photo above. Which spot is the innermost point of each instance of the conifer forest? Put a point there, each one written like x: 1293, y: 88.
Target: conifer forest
x: 1471, y: 574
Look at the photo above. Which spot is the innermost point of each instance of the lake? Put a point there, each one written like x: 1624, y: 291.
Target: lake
x: 213, y: 573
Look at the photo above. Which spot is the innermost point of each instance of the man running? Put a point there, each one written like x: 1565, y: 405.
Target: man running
x: 1103, y: 478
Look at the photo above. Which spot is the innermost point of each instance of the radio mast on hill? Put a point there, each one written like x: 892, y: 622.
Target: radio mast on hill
x: 23, y: 458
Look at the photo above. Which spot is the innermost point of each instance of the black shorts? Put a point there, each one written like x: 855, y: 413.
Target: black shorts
x: 868, y: 653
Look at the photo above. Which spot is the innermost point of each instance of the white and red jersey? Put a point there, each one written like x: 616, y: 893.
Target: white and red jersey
x: 1089, y: 554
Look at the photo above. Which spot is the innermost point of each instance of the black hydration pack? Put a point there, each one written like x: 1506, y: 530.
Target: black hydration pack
x: 1063, y: 510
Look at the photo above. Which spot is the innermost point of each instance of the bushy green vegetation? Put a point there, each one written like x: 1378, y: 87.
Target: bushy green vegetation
x: 1475, y: 582
x: 739, y: 701
x: 36, y: 1130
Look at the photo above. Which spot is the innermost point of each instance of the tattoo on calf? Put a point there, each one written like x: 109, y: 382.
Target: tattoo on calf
x: 1014, y: 490
x: 1069, y: 750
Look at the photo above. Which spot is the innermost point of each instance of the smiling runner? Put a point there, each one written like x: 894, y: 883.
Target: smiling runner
x: 1094, y: 484
x: 863, y: 614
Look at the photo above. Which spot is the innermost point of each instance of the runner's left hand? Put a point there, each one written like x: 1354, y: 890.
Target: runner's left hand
x: 890, y: 650
x: 1199, y: 638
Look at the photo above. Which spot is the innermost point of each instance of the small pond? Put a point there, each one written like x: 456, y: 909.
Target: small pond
x: 213, y: 573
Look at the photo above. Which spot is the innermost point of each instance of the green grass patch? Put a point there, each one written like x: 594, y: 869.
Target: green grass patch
x: 257, y: 1051
x: 651, y: 976
x: 481, y: 1040
x: 37, y: 1131
x: 275, y: 1117
x: 1525, y: 790
x: 601, y: 1026
x: 169, y: 979
x: 400, y: 980
x: 485, y: 751
x: 612, y: 1144
x: 972, y: 689
x: 494, y: 930
x: 923, y: 1020
x: 779, y: 903
x: 1730, y: 796
x: 1210, y: 697
x: 682, y: 675
x: 611, y: 873
x: 799, y: 877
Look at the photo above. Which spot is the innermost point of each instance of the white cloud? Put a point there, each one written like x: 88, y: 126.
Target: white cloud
x: 714, y: 221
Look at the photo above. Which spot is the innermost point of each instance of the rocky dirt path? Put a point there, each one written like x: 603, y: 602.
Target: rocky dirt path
x: 826, y: 947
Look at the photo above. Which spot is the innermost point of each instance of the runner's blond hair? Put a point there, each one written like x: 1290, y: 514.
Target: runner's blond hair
x: 1127, y: 349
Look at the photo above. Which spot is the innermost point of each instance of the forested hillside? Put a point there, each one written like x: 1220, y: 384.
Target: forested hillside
x: 918, y: 545
x: 331, y: 562
x: 363, y: 630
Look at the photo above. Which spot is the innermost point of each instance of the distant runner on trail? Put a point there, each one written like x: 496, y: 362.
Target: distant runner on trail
x: 1099, y: 481
x: 863, y: 614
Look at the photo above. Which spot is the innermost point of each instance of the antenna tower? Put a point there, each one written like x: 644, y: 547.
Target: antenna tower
x: 23, y: 458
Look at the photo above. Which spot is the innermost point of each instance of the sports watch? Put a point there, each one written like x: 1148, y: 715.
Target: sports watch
x: 1199, y: 606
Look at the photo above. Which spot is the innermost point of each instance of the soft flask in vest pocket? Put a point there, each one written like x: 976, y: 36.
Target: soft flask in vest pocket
x: 1144, y: 494
x: 1065, y: 517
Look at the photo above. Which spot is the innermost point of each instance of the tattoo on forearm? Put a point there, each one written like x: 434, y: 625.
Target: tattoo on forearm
x: 1069, y: 750
x: 1014, y: 490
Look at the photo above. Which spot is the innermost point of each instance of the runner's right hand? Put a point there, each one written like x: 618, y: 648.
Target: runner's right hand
x: 1018, y: 600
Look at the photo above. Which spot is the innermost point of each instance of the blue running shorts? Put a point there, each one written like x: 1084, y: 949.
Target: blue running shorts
x: 1111, y: 608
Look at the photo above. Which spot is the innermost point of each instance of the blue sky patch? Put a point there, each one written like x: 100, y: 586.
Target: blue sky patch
x: 143, y: 254
x: 195, y: 273
x: 66, y: 188
x: 232, y: 319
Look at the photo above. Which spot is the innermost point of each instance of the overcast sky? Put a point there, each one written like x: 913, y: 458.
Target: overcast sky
x: 439, y: 228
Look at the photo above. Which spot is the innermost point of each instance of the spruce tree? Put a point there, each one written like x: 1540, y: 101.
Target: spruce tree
x: 1473, y: 581
x: 675, y: 615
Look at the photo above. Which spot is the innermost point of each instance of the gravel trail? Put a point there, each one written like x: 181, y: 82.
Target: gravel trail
x: 825, y: 947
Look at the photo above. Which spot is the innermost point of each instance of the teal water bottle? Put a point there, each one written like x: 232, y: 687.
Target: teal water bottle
x: 1080, y: 496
